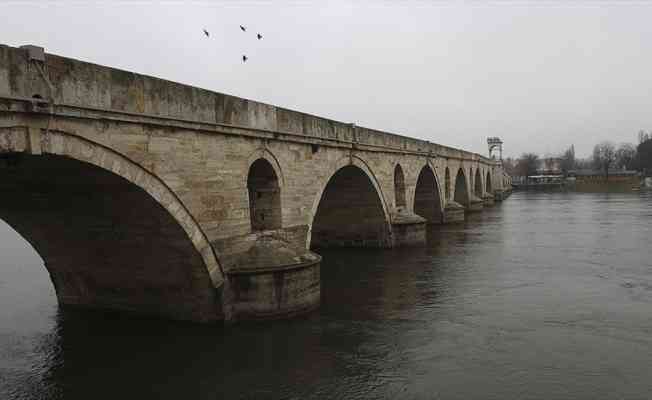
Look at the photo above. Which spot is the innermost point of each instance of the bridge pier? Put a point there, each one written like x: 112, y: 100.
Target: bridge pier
x: 277, y: 293
x: 408, y: 229
x: 453, y: 212
x: 269, y: 277
x: 477, y: 204
x: 488, y: 199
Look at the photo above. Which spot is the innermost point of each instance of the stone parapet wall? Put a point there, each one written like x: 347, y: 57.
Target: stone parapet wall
x: 85, y: 84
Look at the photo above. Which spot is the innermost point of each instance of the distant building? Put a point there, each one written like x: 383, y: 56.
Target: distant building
x: 539, y: 182
x: 589, y: 179
x: 549, y: 166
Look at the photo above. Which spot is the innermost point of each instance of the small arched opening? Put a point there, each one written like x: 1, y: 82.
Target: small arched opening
x: 264, y: 196
x: 399, y: 186
x: 427, y: 203
x: 461, y: 194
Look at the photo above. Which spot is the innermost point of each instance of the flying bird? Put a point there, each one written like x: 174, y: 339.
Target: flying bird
x: 243, y: 28
x: 244, y: 58
x: 206, y: 33
x: 259, y: 36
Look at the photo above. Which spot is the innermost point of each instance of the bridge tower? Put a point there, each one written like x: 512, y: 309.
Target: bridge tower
x: 494, y: 144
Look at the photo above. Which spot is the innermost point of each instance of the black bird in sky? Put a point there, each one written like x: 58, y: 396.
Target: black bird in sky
x: 206, y: 33
x: 244, y: 58
x: 259, y: 36
x: 243, y: 28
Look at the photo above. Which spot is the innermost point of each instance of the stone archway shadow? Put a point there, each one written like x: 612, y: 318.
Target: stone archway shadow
x: 68, y: 145
x: 349, y: 161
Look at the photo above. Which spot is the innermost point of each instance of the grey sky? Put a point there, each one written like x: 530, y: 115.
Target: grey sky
x: 540, y: 75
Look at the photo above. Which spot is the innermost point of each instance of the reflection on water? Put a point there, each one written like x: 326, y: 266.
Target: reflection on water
x: 543, y: 296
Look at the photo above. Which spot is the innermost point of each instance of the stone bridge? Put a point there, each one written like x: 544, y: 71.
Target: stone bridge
x: 150, y: 196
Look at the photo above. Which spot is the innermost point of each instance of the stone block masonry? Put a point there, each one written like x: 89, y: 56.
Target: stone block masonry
x: 150, y: 196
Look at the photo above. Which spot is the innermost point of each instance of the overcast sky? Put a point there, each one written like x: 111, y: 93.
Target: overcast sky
x: 542, y: 76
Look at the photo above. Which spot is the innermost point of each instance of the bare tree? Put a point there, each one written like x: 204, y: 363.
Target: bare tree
x: 510, y: 166
x: 643, y: 136
x: 604, y: 156
x: 527, y: 164
x: 568, y: 160
x: 583, y: 163
x: 626, y: 156
x: 644, y: 157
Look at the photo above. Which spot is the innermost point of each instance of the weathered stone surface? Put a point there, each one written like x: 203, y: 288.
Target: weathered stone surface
x: 189, y: 152
x: 476, y: 204
x: 270, y: 277
x: 454, y: 212
x: 408, y: 229
x: 278, y: 294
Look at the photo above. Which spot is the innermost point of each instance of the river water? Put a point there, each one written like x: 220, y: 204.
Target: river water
x: 542, y: 296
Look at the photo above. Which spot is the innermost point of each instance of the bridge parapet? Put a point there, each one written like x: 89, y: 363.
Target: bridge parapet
x: 90, y: 85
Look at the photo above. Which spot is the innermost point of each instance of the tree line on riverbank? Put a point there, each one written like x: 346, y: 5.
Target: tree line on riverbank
x: 606, y: 157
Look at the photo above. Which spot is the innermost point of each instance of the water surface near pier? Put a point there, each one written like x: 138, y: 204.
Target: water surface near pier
x: 542, y: 296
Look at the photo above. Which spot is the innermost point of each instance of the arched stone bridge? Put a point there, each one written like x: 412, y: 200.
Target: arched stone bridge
x: 150, y: 196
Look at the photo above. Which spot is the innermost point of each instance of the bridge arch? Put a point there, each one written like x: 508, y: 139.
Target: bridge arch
x: 488, y: 183
x: 111, y: 234
x: 427, y: 198
x: 399, y: 186
x: 461, y: 192
x: 478, y: 183
x: 349, y: 209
